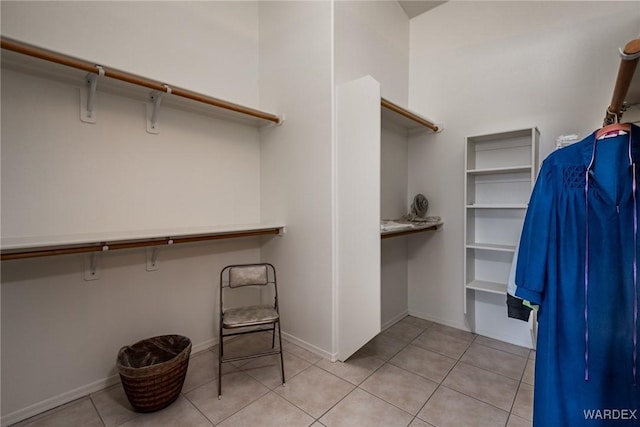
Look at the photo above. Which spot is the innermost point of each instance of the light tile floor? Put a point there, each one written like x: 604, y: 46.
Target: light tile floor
x: 416, y: 373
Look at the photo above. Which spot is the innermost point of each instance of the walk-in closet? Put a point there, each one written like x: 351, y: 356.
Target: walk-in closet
x: 383, y: 156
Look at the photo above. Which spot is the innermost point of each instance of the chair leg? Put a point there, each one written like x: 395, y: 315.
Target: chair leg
x: 281, y: 357
x: 273, y: 337
x: 220, y: 353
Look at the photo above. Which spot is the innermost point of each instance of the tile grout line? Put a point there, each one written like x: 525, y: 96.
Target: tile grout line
x: 488, y: 370
x: 444, y: 378
x: 356, y: 387
x: 95, y: 408
x: 270, y: 390
x: 413, y: 373
x: 503, y: 351
x: 459, y: 360
x: 479, y: 400
x: 198, y: 409
x: 332, y: 406
x: 405, y: 344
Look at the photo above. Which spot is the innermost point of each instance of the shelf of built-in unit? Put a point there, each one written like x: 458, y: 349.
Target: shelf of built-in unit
x: 497, y: 206
x: 491, y: 287
x: 502, y: 170
x: 491, y: 247
x: 499, y: 173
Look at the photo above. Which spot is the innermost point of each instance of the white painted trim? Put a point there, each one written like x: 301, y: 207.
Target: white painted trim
x: 99, y: 385
x: 82, y: 391
x: 511, y: 339
x: 395, y: 320
x: 425, y: 316
x: 60, y: 399
x: 334, y: 199
x: 205, y: 345
x: 310, y: 347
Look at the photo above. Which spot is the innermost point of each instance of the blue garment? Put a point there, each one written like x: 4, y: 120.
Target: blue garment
x: 577, y: 256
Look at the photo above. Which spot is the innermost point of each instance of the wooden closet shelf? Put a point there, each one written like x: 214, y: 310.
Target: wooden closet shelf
x: 20, y: 248
x: 27, y: 50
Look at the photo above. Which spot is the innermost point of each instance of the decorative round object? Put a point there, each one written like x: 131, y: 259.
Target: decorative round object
x: 419, y: 206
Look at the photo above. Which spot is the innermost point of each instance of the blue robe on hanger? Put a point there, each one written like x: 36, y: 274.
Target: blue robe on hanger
x: 578, y: 260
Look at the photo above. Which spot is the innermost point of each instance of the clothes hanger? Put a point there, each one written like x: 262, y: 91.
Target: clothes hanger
x: 614, y: 127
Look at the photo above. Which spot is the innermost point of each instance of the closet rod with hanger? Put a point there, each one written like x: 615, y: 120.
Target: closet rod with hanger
x: 628, y: 63
x: 47, y: 55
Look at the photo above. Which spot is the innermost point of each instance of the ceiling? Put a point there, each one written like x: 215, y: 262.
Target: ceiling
x: 414, y: 8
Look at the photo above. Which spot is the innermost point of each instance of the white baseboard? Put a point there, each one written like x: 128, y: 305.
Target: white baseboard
x: 82, y: 391
x: 425, y: 316
x: 511, y: 339
x: 96, y: 386
x: 309, y: 347
x: 60, y: 399
x: 395, y: 319
x: 206, y: 345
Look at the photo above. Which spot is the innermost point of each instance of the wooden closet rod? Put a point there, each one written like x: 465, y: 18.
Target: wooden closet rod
x: 69, y: 61
x: 623, y: 81
x: 111, y: 246
x: 408, y: 114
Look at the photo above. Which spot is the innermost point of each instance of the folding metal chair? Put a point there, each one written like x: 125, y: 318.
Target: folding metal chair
x: 260, y: 276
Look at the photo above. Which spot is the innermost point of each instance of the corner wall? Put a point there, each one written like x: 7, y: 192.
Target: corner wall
x: 494, y: 66
x: 296, y: 164
x: 372, y: 38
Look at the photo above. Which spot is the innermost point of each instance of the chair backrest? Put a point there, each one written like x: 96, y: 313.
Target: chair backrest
x: 258, y: 275
x: 248, y: 275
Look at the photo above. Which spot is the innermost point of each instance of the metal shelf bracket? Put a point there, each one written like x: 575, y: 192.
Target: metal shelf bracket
x: 92, y: 266
x: 153, y: 109
x: 88, y: 97
x: 152, y: 259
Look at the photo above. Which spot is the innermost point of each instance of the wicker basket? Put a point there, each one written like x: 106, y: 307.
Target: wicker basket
x: 153, y: 371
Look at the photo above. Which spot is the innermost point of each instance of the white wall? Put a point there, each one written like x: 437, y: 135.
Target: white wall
x: 296, y: 159
x: 485, y: 67
x: 126, y: 173
x: 393, y: 204
x: 60, y: 334
x: 372, y: 38
x: 209, y: 47
x: 394, y: 174
x: 61, y: 176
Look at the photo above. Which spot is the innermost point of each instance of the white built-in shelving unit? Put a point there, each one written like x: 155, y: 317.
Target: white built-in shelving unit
x: 500, y: 171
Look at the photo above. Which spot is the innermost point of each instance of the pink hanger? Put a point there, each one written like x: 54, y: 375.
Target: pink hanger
x: 616, y: 127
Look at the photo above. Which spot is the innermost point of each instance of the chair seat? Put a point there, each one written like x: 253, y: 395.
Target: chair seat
x: 249, y: 316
